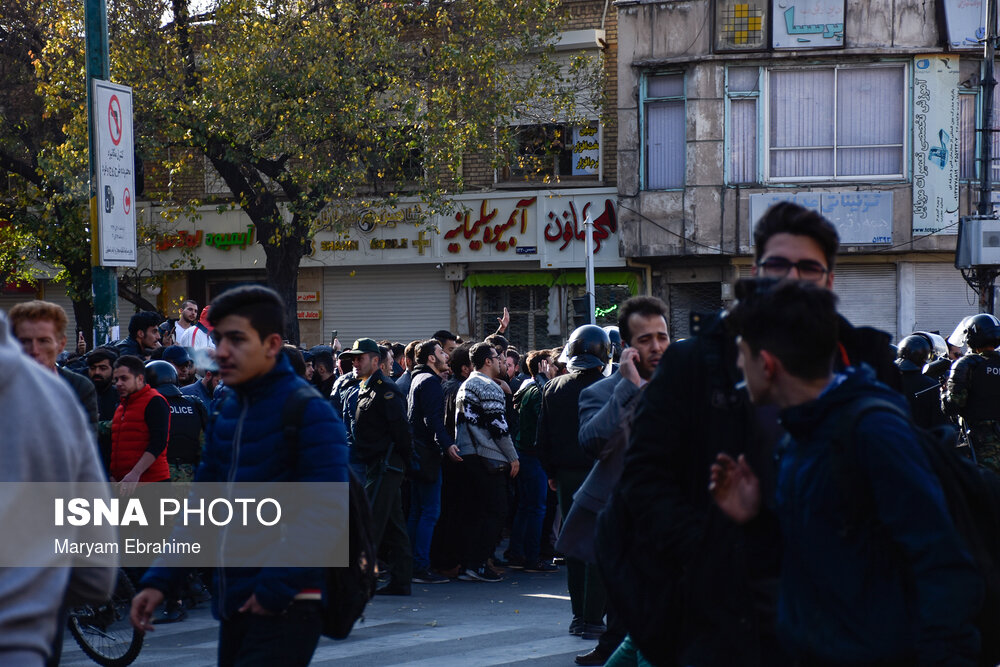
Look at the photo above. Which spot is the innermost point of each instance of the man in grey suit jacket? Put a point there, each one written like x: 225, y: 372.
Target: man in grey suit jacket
x: 606, y: 409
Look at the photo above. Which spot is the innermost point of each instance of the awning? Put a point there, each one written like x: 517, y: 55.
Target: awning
x: 519, y: 279
x: 602, y: 278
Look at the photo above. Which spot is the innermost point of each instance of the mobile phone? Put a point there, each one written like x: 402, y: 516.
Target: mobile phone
x: 333, y: 337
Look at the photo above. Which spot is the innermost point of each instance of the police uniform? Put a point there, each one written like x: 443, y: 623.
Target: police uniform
x: 188, y: 417
x: 973, y: 393
x: 382, y: 442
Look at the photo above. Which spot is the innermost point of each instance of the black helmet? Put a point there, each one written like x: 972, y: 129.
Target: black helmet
x: 938, y: 344
x: 615, y: 337
x: 589, y: 339
x: 982, y: 330
x: 162, y: 376
x: 916, y: 349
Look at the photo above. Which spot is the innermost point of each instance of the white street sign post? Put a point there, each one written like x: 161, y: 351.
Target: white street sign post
x: 115, y: 174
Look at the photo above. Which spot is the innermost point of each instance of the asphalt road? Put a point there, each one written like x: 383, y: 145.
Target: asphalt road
x: 522, y: 620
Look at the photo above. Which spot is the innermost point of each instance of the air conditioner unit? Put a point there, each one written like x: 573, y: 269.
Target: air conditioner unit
x: 978, y: 242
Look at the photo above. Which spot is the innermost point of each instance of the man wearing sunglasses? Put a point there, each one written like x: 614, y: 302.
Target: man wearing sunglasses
x: 693, y: 587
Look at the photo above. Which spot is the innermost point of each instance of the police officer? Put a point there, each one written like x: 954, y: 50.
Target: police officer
x: 188, y: 417
x: 382, y: 443
x: 973, y: 389
x: 921, y: 391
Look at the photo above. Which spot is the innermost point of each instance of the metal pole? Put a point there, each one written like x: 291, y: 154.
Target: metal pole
x: 588, y: 231
x: 104, y: 279
x: 987, y: 86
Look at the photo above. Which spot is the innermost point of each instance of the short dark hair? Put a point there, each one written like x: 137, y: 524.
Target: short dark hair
x: 383, y: 354
x: 497, y: 341
x: 345, y: 363
x: 512, y: 353
x: 645, y: 306
x: 793, y: 320
x: 261, y: 305
x: 425, y: 350
x: 398, y: 350
x: 187, y: 301
x: 100, y: 354
x: 134, y: 364
x: 459, y: 357
x: 535, y: 358
x: 480, y: 354
x: 410, y: 351
x: 444, y: 336
x: 296, y: 359
x: 142, y: 321
x: 790, y: 218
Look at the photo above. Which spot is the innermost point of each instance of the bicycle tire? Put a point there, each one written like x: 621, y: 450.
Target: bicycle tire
x: 104, y: 632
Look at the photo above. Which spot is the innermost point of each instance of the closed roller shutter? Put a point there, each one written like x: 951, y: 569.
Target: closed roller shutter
x: 398, y: 303
x: 942, y: 297
x: 867, y: 295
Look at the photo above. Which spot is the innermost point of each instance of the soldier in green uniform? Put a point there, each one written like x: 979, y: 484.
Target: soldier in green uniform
x: 382, y: 442
x: 973, y: 390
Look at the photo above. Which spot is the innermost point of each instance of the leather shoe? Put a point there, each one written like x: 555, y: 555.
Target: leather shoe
x: 594, y: 657
x: 392, y: 588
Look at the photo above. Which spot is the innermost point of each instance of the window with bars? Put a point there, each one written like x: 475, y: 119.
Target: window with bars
x: 664, y: 131
x: 836, y: 123
x: 528, y: 307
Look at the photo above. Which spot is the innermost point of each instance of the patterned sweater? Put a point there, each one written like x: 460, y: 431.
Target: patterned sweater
x: 481, y: 420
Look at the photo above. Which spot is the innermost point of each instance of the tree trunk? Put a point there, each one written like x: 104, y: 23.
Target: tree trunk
x: 283, y: 277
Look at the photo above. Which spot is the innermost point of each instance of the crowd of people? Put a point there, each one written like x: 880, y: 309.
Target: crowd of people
x: 692, y: 491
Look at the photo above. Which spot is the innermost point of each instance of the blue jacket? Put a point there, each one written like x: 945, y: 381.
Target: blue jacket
x: 426, y: 410
x: 247, y: 428
x: 899, y: 587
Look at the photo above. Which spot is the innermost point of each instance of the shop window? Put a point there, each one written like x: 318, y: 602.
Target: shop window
x: 664, y: 131
x: 529, y: 316
x: 553, y: 153
x: 836, y: 123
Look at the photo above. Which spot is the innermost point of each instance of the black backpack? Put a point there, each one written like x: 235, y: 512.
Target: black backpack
x: 972, y: 495
x: 348, y: 589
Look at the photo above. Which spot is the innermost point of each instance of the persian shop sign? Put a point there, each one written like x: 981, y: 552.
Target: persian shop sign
x: 194, y: 239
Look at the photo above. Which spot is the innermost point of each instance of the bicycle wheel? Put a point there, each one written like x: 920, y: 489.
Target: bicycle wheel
x: 104, y: 631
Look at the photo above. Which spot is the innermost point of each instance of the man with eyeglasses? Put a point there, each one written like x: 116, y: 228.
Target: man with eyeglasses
x: 694, y: 587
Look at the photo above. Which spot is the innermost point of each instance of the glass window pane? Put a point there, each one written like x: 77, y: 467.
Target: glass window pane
x: 801, y: 107
x: 665, y: 132
x: 870, y: 106
x: 869, y: 161
x: 802, y: 163
x: 743, y: 141
x: 666, y: 85
x: 744, y: 79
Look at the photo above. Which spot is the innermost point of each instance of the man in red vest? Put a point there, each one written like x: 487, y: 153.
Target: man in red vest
x: 139, y: 429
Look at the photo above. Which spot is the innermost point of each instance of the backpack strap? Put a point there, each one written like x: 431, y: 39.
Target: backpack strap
x: 844, y: 462
x: 292, y: 413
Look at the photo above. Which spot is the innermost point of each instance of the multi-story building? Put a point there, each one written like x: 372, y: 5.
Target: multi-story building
x: 516, y: 238
x: 864, y: 111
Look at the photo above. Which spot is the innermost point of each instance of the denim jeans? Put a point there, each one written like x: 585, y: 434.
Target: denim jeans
x: 289, y: 638
x: 425, y: 508
x: 532, y: 487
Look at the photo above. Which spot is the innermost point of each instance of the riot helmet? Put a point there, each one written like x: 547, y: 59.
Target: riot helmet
x: 162, y: 376
x: 937, y: 341
x: 588, y: 347
x: 914, y: 349
x: 982, y: 330
x: 615, y: 337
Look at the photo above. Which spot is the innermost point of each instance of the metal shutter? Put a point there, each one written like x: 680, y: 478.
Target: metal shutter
x: 943, y: 298
x: 687, y: 298
x: 397, y: 303
x: 867, y: 295
x: 56, y: 293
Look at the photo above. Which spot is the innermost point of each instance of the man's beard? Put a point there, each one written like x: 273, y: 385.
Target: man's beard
x: 101, y: 385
